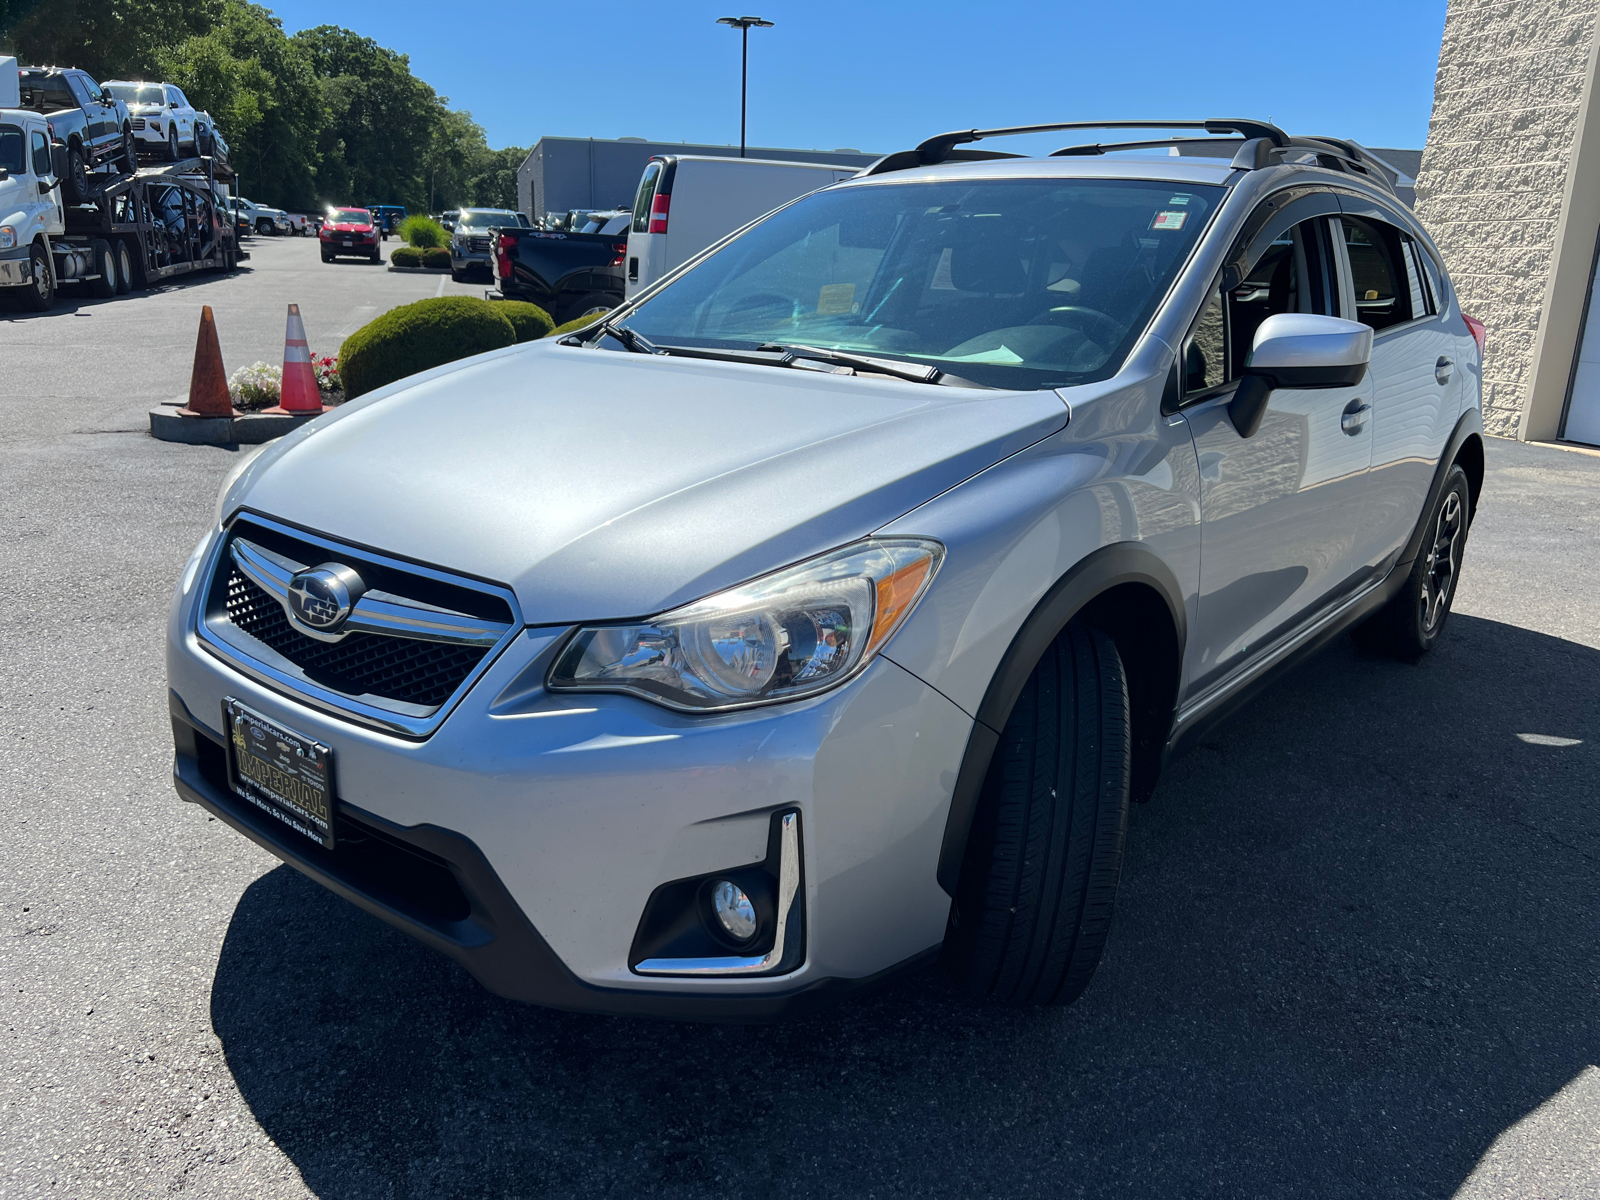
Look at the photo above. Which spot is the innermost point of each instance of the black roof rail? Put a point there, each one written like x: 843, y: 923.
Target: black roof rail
x: 942, y: 148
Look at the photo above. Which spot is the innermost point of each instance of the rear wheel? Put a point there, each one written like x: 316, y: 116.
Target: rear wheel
x: 1044, y: 856
x: 1409, y: 625
x: 105, y: 264
x: 124, y: 268
x: 39, y: 295
x: 76, y: 184
x: 586, y: 305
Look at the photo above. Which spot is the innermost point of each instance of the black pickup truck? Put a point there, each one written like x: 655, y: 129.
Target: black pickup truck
x: 566, y: 274
x: 92, y: 124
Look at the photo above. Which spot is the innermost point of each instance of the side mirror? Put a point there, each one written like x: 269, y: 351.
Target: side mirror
x: 46, y: 186
x: 58, y: 160
x: 1298, y: 350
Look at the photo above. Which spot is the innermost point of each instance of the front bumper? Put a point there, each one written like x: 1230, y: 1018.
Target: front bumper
x: 557, y: 817
x: 16, y: 267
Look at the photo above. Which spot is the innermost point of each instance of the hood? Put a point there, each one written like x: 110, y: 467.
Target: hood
x: 603, y: 485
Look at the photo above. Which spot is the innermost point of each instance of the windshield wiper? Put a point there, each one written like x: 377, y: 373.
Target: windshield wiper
x: 636, y: 343
x: 915, y: 372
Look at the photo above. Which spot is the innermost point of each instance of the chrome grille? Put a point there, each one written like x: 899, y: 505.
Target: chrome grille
x: 413, y: 643
x: 478, y: 244
x: 412, y: 672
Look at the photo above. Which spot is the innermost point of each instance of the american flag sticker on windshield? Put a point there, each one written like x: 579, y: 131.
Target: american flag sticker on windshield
x: 1169, y: 220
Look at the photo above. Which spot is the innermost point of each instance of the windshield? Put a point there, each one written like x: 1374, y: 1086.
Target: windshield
x: 350, y: 216
x: 137, y: 93
x: 1017, y: 283
x: 11, y: 150
x: 487, y: 218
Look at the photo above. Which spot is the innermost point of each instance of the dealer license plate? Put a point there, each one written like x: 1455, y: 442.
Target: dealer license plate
x: 281, y: 772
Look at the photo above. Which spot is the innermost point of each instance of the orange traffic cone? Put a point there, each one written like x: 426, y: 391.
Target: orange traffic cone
x: 300, y: 392
x: 208, y: 384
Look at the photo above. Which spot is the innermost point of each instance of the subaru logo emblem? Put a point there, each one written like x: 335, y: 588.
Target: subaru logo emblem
x: 320, y: 598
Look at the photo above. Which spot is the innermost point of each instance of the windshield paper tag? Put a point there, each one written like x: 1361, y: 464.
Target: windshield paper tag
x: 835, y: 298
x: 1169, y: 220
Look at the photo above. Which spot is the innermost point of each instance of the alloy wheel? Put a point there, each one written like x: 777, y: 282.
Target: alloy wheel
x: 1444, y: 557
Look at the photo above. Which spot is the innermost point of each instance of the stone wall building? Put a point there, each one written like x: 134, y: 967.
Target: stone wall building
x: 1509, y: 187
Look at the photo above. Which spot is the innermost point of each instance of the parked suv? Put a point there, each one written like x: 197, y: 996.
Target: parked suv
x: 161, y: 116
x: 93, y: 125
x: 470, y: 239
x: 820, y: 610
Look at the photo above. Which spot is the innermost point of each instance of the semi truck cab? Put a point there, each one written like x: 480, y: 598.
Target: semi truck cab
x: 30, y: 192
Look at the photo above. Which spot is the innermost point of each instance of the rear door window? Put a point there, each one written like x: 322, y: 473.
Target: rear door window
x: 1377, y: 274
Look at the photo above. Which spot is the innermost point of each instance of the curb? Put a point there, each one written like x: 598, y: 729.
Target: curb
x: 421, y: 270
x: 247, y: 429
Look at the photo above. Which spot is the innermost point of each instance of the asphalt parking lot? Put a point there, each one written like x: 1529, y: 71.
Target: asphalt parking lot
x: 1357, y: 950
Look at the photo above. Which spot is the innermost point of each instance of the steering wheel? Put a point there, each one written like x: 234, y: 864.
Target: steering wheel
x: 1095, y: 319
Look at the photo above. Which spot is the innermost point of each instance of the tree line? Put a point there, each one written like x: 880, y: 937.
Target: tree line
x: 324, y: 116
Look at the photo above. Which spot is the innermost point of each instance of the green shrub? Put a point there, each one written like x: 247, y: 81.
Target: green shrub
x: 436, y: 256
x: 406, y: 256
x: 529, y: 320
x: 415, y: 337
x: 423, y: 232
x: 578, y: 323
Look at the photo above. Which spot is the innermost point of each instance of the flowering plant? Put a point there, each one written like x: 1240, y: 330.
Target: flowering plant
x: 256, y: 387
x: 326, y: 369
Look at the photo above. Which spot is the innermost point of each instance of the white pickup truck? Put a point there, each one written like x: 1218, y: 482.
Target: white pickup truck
x: 136, y: 229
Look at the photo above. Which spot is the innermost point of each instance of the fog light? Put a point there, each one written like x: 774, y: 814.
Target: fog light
x: 734, y: 910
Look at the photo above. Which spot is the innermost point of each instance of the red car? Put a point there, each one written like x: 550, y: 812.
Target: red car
x: 349, y: 231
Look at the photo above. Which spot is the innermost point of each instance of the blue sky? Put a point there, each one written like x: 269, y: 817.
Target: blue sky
x: 882, y: 76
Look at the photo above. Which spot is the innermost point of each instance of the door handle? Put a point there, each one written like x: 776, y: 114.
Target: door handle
x: 1354, y: 418
x: 1442, y: 369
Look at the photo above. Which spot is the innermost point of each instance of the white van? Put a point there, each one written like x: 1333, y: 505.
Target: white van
x: 686, y: 202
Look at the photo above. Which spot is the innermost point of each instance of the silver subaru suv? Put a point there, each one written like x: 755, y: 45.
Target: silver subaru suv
x: 821, y: 610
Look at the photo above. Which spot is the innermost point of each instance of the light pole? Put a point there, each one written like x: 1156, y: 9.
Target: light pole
x: 744, y: 25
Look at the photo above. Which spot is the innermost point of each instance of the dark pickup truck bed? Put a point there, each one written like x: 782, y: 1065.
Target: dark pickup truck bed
x: 566, y: 274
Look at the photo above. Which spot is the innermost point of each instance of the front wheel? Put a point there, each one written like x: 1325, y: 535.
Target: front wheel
x: 1409, y: 625
x: 40, y: 294
x: 1044, y: 857
x: 130, y: 152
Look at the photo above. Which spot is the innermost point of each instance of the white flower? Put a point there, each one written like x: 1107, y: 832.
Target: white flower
x: 258, y: 386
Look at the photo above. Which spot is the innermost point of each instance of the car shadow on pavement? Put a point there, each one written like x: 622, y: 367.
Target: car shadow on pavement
x: 1356, y: 940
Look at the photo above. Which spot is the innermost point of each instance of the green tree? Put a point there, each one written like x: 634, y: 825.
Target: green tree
x: 261, y: 89
x: 381, y: 118
x: 110, y: 39
x: 496, y: 183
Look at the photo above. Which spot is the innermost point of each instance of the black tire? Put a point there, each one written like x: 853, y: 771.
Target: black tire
x: 377, y: 256
x: 41, y: 294
x: 1410, y: 624
x: 130, y: 151
x: 76, y: 184
x: 137, y: 279
x: 105, y: 265
x: 1044, y: 857
x: 457, y: 276
x: 327, y: 258
x: 124, y: 267
x: 172, y: 150
x: 582, y: 306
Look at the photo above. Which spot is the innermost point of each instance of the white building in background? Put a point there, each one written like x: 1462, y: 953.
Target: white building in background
x: 1510, y: 189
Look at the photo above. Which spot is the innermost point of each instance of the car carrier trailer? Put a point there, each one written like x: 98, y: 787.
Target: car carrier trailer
x: 133, y: 230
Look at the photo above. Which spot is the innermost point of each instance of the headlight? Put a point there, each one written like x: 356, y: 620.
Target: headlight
x: 8, y: 237
x: 791, y: 634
